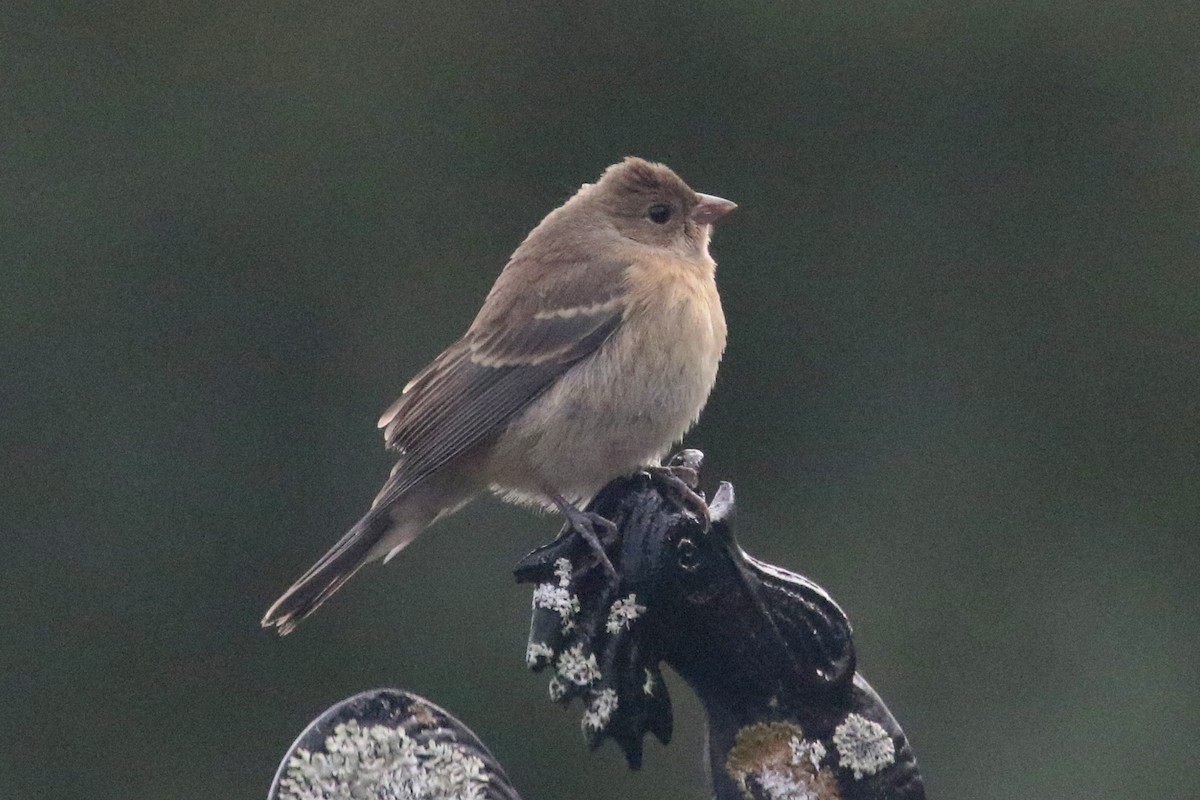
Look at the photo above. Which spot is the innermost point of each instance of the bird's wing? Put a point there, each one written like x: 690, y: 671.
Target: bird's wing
x: 531, y: 330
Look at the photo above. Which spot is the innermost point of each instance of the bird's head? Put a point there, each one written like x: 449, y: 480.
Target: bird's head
x: 650, y: 204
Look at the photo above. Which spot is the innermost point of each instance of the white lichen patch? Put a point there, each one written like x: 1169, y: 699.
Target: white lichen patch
x: 863, y: 746
x: 776, y: 760
x: 650, y: 683
x: 600, y: 710
x: 562, y: 571
x: 538, y: 654
x: 382, y: 762
x: 784, y: 785
x: 803, y: 749
x: 623, y: 612
x: 557, y: 599
x: 577, y: 668
x: 558, y: 689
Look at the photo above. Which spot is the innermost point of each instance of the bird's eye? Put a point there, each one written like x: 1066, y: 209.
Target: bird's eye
x: 659, y: 213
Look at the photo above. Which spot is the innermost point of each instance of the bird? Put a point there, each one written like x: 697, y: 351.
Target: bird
x: 592, y: 355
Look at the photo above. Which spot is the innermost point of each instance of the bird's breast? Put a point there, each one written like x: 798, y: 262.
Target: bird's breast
x: 675, y: 324
x: 625, y: 405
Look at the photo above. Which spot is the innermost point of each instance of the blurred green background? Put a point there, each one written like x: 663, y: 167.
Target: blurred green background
x: 962, y: 389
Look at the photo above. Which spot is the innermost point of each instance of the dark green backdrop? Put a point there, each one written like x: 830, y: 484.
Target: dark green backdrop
x: 961, y: 389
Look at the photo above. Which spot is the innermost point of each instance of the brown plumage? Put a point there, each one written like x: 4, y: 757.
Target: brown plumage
x: 593, y: 353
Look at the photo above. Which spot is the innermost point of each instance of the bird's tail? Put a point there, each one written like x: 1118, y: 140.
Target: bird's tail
x: 395, y: 519
x: 327, y: 575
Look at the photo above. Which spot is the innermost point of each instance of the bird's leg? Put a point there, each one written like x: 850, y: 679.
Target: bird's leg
x: 595, y: 530
x: 681, y: 480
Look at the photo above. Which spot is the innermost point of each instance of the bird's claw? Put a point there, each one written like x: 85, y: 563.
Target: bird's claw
x: 681, y: 480
x: 598, y: 532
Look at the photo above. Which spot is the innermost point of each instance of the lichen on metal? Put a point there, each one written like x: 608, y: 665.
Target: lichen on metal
x: 558, y: 599
x: 650, y: 683
x: 562, y: 570
x: 538, y: 654
x: 577, y: 668
x: 600, y: 710
x: 863, y: 746
x: 776, y: 758
x: 623, y: 612
x: 803, y: 749
x: 382, y: 762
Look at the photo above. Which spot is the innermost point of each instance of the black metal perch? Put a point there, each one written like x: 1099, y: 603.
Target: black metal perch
x: 768, y: 652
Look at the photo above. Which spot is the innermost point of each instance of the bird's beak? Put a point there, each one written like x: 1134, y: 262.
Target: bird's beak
x: 710, y: 208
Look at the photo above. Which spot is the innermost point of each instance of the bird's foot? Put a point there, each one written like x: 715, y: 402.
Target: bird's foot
x: 681, y: 480
x: 597, y: 531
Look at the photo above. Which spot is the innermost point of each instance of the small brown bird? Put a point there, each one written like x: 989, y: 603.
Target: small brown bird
x: 593, y: 354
